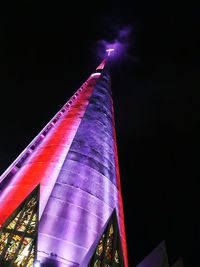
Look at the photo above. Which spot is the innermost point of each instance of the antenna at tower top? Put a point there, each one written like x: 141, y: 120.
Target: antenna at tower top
x: 109, y: 51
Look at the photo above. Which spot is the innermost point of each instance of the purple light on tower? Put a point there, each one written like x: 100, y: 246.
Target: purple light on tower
x: 87, y: 189
x: 74, y: 160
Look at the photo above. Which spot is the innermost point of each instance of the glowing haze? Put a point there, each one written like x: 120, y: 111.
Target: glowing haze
x: 118, y: 47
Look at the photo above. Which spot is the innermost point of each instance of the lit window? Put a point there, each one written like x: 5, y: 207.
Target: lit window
x: 17, y: 239
x: 108, y: 251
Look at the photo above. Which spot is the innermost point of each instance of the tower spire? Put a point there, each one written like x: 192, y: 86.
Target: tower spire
x: 102, y: 64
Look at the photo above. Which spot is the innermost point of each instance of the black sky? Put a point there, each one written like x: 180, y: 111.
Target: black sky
x: 48, y: 49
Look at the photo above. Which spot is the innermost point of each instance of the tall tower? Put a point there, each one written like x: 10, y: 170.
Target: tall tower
x: 60, y: 200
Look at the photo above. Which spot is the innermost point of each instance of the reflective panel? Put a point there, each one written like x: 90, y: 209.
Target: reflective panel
x: 32, y: 225
x: 97, y: 263
x: 116, y: 257
x: 31, y: 257
x: 13, y: 222
x: 23, y: 252
x: 109, y: 243
x: 3, y: 241
x: 12, y: 247
x: 99, y: 249
x: 18, y: 236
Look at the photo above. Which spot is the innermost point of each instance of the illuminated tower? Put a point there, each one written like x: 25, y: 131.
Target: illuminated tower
x: 60, y: 200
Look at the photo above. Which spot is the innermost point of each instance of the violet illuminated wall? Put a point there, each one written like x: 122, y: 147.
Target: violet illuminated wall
x: 85, y: 192
x: 74, y: 159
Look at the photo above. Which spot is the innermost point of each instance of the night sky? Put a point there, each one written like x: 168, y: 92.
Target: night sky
x: 47, y: 51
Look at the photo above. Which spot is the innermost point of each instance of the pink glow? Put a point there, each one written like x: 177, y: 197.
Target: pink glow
x: 101, y: 65
x: 119, y: 45
x: 120, y: 201
x: 96, y: 74
x: 45, y: 162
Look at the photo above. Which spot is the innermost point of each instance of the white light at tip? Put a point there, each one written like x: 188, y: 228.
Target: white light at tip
x: 110, y: 50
